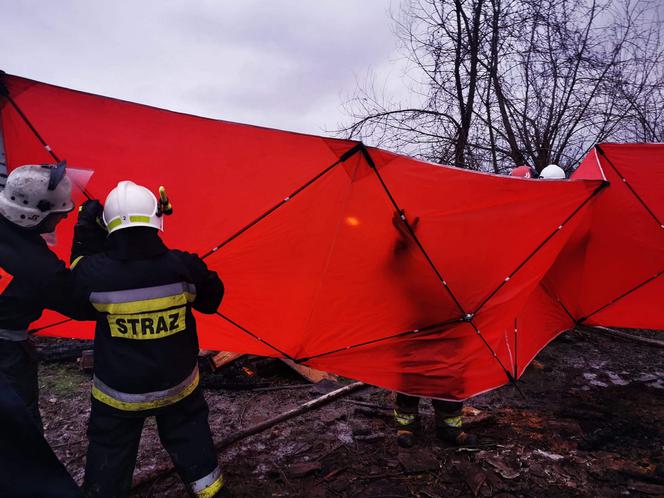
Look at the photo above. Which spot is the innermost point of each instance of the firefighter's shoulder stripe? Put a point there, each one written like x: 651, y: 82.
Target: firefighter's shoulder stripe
x: 144, y: 300
x: 144, y: 401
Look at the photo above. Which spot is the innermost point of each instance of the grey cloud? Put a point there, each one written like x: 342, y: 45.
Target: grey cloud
x: 273, y: 63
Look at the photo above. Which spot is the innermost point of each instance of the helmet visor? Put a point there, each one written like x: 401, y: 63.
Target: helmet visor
x: 79, y: 179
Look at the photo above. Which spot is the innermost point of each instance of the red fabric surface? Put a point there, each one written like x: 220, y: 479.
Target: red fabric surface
x: 325, y: 277
x: 5, y: 279
x: 610, y: 274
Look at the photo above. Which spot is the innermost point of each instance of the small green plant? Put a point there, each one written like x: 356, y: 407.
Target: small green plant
x: 60, y: 380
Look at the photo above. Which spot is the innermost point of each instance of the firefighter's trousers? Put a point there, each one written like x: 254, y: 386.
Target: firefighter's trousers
x: 406, y: 410
x: 18, y: 362
x: 184, y: 432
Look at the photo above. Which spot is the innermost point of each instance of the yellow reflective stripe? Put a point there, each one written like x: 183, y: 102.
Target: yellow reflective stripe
x: 145, y: 405
x: 132, y: 219
x: 453, y: 421
x: 404, y: 418
x: 75, y: 262
x: 210, y: 490
x: 146, y: 305
x: 112, y: 224
x: 145, y: 326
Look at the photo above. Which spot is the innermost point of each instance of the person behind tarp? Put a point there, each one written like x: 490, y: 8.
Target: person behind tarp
x: 550, y: 172
x: 146, y: 346
x: 35, y: 199
x: 524, y: 172
x: 553, y: 172
x: 447, y: 414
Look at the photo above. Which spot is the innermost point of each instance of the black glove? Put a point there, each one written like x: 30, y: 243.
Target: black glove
x: 405, y: 240
x: 90, y: 212
x: 89, y: 232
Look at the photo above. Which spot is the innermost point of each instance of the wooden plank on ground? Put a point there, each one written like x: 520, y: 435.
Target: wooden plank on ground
x: 311, y: 374
x: 223, y: 358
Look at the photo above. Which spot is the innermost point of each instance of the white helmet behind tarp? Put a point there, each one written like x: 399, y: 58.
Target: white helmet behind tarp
x: 130, y: 205
x: 32, y: 192
x: 553, y: 172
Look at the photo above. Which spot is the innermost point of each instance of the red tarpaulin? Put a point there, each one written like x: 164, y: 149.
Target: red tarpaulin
x: 302, y: 230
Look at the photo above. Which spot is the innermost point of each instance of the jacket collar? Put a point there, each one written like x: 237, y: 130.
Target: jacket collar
x: 135, y: 243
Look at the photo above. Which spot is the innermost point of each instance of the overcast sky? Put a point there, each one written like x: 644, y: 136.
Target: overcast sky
x: 285, y: 64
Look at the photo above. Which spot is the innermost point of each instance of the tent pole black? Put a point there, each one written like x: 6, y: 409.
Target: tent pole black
x: 645, y: 282
x: 371, y: 163
x: 4, y: 92
x: 650, y: 212
x: 35, y: 331
x: 347, y: 155
x: 262, y: 341
x: 631, y: 189
x: 562, y: 305
x: 421, y: 331
x: 542, y: 244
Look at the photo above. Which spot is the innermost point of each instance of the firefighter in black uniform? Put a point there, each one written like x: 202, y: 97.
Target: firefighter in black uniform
x: 35, y: 199
x: 447, y: 413
x: 142, y: 294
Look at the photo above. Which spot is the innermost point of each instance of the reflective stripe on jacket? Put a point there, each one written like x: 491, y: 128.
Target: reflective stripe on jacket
x: 144, y: 401
x: 147, y: 313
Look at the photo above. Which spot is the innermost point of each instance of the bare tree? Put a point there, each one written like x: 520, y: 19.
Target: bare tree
x: 508, y: 82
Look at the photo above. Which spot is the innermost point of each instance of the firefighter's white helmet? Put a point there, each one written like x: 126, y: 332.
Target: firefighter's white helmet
x: 130, y: 205
x: 553, y: 172
x: 33, y: 192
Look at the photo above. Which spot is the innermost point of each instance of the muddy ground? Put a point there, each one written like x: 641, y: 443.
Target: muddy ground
x: 591, y: 424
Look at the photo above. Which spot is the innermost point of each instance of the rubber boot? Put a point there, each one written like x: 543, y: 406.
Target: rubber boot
x: 450, y: 430
x: 408, y: 428
x: 224, y: 493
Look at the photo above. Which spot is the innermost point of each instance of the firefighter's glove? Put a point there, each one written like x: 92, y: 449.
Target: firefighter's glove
x: 405, y: 239
x: 90, y: 231
x: 90, y: 212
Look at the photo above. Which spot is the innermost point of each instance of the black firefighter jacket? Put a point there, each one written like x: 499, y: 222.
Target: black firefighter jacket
x: 142, y: 295
x: 33, y: 278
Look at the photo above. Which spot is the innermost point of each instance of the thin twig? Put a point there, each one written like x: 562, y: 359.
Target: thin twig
x: 624, y: 335
x: 266, y: 424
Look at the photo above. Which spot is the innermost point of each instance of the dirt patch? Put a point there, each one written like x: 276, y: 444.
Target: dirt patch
x: 591, y: 424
